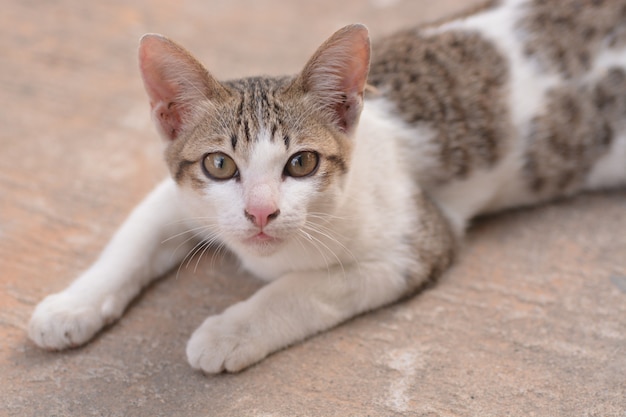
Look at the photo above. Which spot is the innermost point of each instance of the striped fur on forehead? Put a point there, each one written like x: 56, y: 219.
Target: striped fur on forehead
x: 258, y: 109
x: 258, y: 106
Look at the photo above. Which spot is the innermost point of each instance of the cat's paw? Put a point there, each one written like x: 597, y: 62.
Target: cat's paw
x: 66, y: 320
x: 227, y: 342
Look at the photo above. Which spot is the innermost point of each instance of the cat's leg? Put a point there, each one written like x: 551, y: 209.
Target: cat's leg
x: 134, y: 257
x: 289, y: 310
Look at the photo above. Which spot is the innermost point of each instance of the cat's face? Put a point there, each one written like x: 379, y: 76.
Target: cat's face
x: 259, y: 160
x: 260, y: 170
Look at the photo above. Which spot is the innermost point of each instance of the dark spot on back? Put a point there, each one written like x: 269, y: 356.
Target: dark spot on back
x: 574, y: 130
x: 566, y: 35
x: 454, y: 83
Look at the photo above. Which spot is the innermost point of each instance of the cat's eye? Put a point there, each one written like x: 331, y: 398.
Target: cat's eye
x: 219, y: 166
x: 302, y: 164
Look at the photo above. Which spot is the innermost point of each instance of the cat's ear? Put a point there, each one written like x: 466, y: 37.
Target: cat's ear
x: 335, y: 76
x: 177, y: 84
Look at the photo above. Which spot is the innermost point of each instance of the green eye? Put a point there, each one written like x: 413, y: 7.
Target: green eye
x: 302, y: 164
x: 219, y: 166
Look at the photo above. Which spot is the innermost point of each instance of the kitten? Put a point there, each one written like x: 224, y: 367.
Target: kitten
x: 347, y: 207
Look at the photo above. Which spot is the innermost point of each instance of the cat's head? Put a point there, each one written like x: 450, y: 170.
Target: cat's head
x: 258, y: 159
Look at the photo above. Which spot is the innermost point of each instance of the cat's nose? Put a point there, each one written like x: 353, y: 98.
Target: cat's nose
x: 261, y: 215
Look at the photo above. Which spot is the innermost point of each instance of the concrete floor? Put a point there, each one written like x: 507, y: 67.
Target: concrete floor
x: 530, y: 321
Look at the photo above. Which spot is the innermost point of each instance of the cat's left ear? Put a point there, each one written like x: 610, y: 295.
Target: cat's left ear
x: 335, y: 76
x: 177, y: 84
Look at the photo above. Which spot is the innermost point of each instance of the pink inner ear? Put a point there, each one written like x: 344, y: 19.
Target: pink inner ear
x: 159, y: 91
x: 357, y: 65
x: 174, y: 80
x: 154, y: 54
x: 337, y: 72
x: 168, y: 118
x: 165, y: 110
x: 353, y: 84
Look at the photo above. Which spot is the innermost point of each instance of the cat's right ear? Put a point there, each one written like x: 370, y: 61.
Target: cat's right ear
x: 177, y: 84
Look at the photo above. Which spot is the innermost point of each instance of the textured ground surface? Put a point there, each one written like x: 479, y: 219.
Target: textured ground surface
x: 531, y: 321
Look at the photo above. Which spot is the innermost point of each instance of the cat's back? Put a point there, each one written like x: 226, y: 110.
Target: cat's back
x: 522, y: 99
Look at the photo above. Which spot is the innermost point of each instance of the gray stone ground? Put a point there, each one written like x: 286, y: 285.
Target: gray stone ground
x: 530, y: 321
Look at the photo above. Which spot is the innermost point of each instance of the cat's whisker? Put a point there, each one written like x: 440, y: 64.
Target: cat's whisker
x: 326, y: 217
x: 314, y: 244
x: 324, y: 245
x: 330, y: 233
x: 198, y: 233
x: 216, y: 252
x: 308, y: 236
x: 325, y: 232
x: 209, y: 243
x: 192, y: 230
x: 180, y: 265
x: 193, y: 251
x: 192, y: 220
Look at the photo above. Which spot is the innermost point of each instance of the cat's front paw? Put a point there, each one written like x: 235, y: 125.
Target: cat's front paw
x: 227, y: 342
x: 66, y: 320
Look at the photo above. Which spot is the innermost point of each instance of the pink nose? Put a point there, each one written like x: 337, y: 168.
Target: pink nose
x: 261, y: 215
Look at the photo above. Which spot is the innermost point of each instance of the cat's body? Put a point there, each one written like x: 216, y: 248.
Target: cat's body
x: 512, y: 108
x: 519, y: 103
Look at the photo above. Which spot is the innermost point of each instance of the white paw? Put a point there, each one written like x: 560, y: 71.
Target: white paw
x: 66, y: 320
x: 227, y: 342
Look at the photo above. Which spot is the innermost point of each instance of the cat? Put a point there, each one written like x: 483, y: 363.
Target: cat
x: 349, y: 185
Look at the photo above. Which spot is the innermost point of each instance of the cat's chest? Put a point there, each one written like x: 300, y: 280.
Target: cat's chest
x: 292, y: 256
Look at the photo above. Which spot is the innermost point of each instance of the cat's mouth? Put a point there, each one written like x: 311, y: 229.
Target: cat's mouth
x: 263, y: 238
